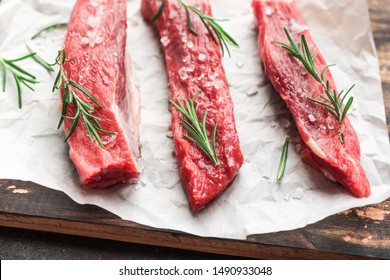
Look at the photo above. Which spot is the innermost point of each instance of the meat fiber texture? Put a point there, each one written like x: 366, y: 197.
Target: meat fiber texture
x: 95, y: 43
x: 195, y: 63
x: 321, y: 147
x: 32, y: 149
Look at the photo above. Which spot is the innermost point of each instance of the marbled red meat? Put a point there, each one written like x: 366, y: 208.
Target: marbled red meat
x: 194, y: 63
x: 322, y: 148
x: 96, y: 41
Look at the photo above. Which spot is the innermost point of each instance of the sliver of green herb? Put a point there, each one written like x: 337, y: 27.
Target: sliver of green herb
x: 283, y: 160
x: 48, y: 28
x: 40, y: 60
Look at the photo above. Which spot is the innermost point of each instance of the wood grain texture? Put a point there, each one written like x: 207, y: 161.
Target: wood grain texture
x: 354, y: 234
x: 380, y: 23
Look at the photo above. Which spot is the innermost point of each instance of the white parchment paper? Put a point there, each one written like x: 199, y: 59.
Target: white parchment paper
x: 31, y: 148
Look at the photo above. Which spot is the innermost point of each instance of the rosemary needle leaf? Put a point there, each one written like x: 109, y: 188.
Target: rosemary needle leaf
x: 40, y: 60
x: 159, y: 12
x: 27, y: 85
x: 83, y: 90
x: 3, y: 76
x: 64, y: 108
x: 17, y: 68
x: 346, y: 108
x: 283, y: 160
x: 19, y: 88
x: 213, y: 140
x: 74, y: 124
x: 57, y: 82
x: 346, y: 94
x: 51, y: 27
x: 20, y: 58
x: 323, y: 71
x: 189, y: 22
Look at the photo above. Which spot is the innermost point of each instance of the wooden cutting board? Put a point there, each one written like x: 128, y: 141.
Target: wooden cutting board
x: 354, y: 234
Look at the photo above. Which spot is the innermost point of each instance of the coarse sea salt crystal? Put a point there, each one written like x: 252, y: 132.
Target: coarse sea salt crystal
x: 296, y: 27
x: 143, y: 182
x: 186, y: 59
x: 106, y: 80
x: 239, y: 64
x: 252, y: 91
x: 311, y: 118
x: 133, y: 22
x: 298, y: 194
x: 190, y: 68
x: 93, y: 38
x: 93, y: 21
x: 202, y: 57
x: 84, y: 41
x: 330, y: 123
x: 190, y: 45
x: 269, y: 11
x: 115, y: 54
x: 172, y: 14
x: 212, y: 75
x: 98, y: 39
x: 323, y: 129
x: 201, y: 77
x: 183, y: 74
x: 218, y: 84
x: 286, y: 123
x: 95, y: 3
x: 165, y: 41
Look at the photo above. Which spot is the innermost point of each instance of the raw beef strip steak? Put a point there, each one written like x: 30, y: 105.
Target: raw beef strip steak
x: 195, y: 63
x: 96, y: 41
x: 322, y: 148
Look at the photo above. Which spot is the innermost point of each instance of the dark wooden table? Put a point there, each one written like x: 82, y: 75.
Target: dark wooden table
x: 39, y: 223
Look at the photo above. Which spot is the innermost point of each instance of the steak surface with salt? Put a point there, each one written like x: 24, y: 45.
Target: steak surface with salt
x: 322, y: 148
x: 95, y: 42
x: 195, y: 63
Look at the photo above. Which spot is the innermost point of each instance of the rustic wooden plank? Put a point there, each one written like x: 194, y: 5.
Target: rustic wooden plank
x: 357, y: 233
x: 39, y: 208
x: 380, y: 23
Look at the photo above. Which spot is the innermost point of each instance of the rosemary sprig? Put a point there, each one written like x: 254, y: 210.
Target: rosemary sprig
x: 197, y: 129
x: 332, y: 101
x: 21, y: 76
x: 283, y: 160
x: 334, y: 105
x: 37, y: 58
x: 84, y: 110
x: 216, y: 31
